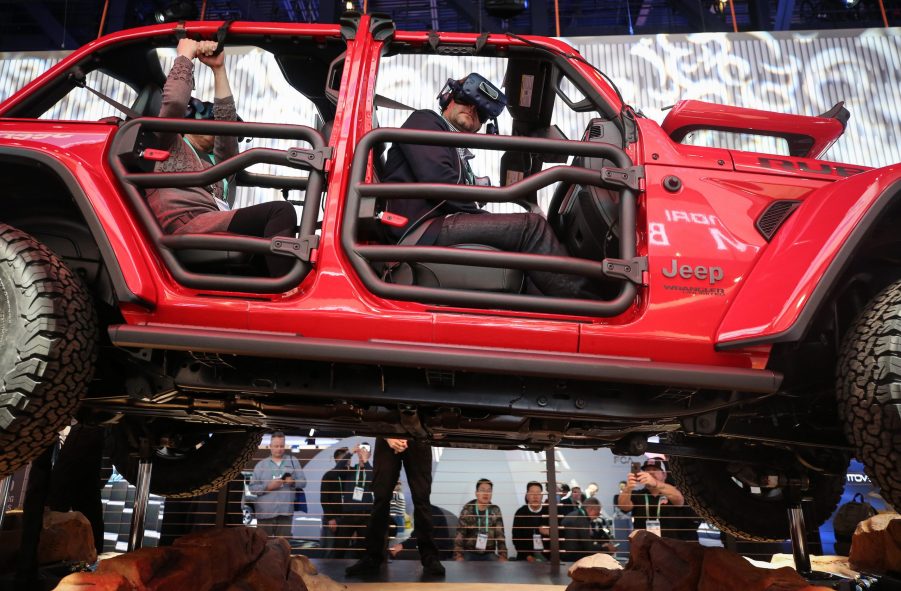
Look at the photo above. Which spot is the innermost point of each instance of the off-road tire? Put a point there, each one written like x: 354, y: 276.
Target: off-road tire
x: 48, y: 331
x: 202, y: 470
x: 710, y: 490
x: 868, y: 390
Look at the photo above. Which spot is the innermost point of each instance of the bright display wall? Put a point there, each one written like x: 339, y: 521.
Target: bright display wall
x: 798, y: 72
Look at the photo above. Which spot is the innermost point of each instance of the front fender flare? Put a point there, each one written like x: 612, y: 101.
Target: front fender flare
x: 800, y: 268
x: 123, y: 292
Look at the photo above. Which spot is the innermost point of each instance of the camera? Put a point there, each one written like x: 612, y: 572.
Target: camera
x: 636, y: 467
x: 286, y: 475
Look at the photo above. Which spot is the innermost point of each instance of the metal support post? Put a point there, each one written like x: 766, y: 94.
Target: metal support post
x: 799, y: 539
x: 550, y: 458
x: 142, y: 496
x: 4, y: 496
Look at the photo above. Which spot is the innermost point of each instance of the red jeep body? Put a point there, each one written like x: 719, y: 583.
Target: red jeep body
x: 722, y: 332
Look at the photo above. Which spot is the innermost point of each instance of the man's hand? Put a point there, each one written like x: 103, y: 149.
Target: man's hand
x: 502, y: 559
x: 395, y: 550
x: 398, y: 445
x: 633, y: 481
x: 289, y: 481
x: 530, y: 558
x: 544, y: 530
x: 332, y: 525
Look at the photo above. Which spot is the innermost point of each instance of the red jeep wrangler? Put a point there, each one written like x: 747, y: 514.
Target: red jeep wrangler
x: 749, y: 313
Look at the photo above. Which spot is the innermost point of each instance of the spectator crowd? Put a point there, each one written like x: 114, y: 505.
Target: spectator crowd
x: 646, y: 499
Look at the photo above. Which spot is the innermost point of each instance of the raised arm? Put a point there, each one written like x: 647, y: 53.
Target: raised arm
x: 224, y: 108
x: 177, y: 90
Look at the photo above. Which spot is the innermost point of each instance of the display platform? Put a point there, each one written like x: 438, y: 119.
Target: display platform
x: 450, y: 587
x: 460, y: 576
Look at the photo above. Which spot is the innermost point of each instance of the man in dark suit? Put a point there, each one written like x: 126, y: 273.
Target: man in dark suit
x: 582, y: 534
x: 465, y: 105
x: 330, y: 496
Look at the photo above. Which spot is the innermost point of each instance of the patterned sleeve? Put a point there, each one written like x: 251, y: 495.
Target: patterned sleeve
x: 225, y: 146
x: 464, y: 525
x: 176, y: 94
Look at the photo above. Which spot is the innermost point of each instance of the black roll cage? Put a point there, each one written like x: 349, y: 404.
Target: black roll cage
x: 361, y: 255
x: 126, y: 146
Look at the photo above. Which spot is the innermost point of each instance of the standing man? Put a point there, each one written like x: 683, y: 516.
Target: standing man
x: 358, y: 499
x: 465, y: 105
x: 653, y: 503
x: 276, y: 480
x: 416, y: 459
x: 330, y: 496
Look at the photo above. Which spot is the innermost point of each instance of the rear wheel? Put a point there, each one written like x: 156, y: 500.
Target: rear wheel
x: 48, y: 329
x: 869, y: 390
x: 729, y: 496
x: 188, y: 460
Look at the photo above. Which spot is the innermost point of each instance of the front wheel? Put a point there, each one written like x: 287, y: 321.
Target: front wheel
x: 868, y: 389
x: 723, y: 494
x: 48, y: 331
x: 187, y: 459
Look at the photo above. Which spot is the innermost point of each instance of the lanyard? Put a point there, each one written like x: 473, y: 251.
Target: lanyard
x: 277, y: 470
x: 487, y: 510
x: 647, y: 507
x: 213, y: 160
x: 357, y: 480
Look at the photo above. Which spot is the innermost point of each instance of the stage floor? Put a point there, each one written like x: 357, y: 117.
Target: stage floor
x: 406, y: 575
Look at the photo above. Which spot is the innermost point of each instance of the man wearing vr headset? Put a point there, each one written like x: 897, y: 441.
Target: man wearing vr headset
x: 465, y: 105
x: 195, y: 210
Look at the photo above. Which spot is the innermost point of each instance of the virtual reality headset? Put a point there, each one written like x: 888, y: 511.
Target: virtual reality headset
x: 474, y: 90
x: 198, y: 109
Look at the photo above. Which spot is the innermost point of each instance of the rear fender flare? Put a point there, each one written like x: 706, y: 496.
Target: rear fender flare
x: 799, y: 270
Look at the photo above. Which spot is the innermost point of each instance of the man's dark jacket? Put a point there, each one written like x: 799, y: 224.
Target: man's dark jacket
x: 331, y: 491
x: 408, y: 163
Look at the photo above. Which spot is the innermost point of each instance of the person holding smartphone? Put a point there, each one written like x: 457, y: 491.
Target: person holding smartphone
x: 276, y: 480
x: 654, y: 503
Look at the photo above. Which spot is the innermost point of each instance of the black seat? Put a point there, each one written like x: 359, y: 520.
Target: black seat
x: 586, y: 218
x: 228, y: 262
x: 447, y: 276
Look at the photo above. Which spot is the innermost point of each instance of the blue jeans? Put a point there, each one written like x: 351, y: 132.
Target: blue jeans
x: 516, y: 232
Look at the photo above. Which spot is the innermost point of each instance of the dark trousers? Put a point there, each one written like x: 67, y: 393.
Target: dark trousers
x: 417, y: 463
x: 267, y: 220
x: 516, y: 232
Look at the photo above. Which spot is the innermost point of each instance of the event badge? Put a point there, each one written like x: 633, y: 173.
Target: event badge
x: 358, y: 493
x: 537, y: 542
x: 482, y: 542
x: 653, y: 526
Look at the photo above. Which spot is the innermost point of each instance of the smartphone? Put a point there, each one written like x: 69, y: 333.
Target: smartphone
x: 636, y: 467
